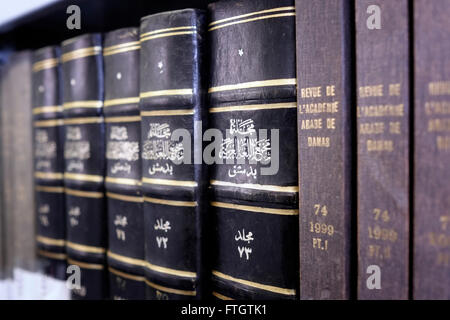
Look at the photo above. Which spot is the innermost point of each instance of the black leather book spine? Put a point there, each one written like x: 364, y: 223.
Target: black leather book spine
x: 325, y: 146
x: 48, y: 150
x: 126, y: 286
x: 383, y: 97
x: 93, y: 283
x: 431, y: 150
x: 48, y: 158
x: 254, y: 184
x: 84, y: 155
x: 173, y: 180
x: 123, y: 161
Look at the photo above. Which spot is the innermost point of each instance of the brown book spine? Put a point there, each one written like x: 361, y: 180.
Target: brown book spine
x: 431, y: 150
x: 324, y: 138
x: 382, y: 72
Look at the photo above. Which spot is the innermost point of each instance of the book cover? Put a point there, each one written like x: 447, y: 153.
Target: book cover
x: 48, y: 158
x: 431, y: 260
x: 123, y: 161
x: 253, y: 146
x: 383, y: 127
x: 84, y: 158
x: 173, y: 177
x: 325, y: 129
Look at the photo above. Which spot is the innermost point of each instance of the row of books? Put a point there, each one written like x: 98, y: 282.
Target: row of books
x: 260, y: 150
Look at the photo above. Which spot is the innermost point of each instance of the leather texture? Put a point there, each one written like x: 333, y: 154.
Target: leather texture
x: 123, y: 286
x: 252, y: 87
x: 94, y: 283
x: 123, y: 160
x: 48, y: 149
x: 172, y: 92
x: 84, y: 147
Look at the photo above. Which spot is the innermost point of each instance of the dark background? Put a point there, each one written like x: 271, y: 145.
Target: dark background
x: 47, y: 25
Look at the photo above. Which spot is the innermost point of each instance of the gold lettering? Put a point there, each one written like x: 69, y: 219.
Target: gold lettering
x: 438, y: 125
x: 439, y: 240
x: 371, y: 91
x: 331, y: 123
x: 319, y: 244
x: 439, y: 88
x: 443, y: 143
x: 380, y: 145
x: 395, y: 127
x: 371, y: 128
x: 330, y: 91
x: 315, y: 108
x: 387, y: 110
x: 443, y: 259
x: 311, y: 92
x: 437, y: 107
x: 394, y: 89
x: 319, y: 142
x: 308, y: 124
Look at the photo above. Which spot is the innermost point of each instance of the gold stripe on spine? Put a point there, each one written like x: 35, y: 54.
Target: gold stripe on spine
x: 252, y: 14
x: 49, y: 189
x: 119, y: 101
x: 265, y: 187
x: 126, y: 275
x: 86, y: 194
x: 47, y: 109
x: 45, y: 64
x: 84, y: 248
x: 220, y: 296
x: 48, y: 123
x: 109, y: 53
x: 124, y: 197
x: 126, y: 181
x: 252, y: 107
x: 169, y: 34
x: 128, y: 260
x: 82, y: 177
x: 283, y: 212
x: 175, y: 203
x: 83, y: 104
x: 123, y: 119
x: 48, y: 175
x: 255, y: 84
x: 123, y: 47
x: 288, y: 292
x: 81, y: 53
x: 170, y: 290
x: 178, y: 112
x: 167, y: 30
x: 85, y: 265
x: 167, y: 182
x: 180, y: 273
x: 148, y: 265
x: 86, y: 120
x: 171, y: 92
x: 51, y: 241
x: 120, y: 46
x: 52, y: 255
x: 270, y: 16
